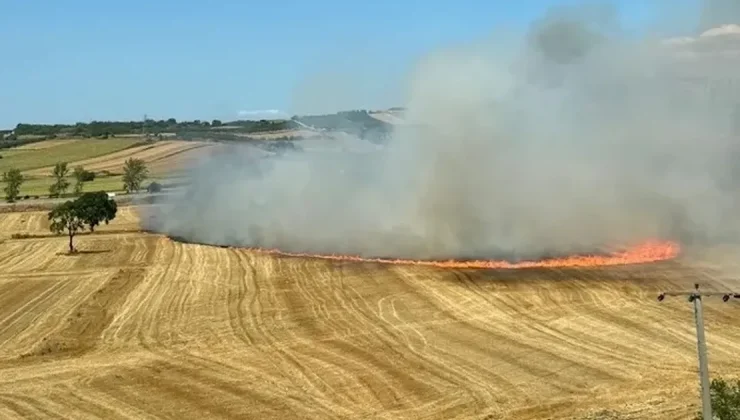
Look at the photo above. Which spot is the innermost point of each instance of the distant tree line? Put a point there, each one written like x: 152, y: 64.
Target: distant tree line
x: 13, y: 141
x: 355, y: 122
x: 104, y: 128
x: 150, y: 127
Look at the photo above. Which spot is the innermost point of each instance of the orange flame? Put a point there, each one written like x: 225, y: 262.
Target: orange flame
x: 650, y: 251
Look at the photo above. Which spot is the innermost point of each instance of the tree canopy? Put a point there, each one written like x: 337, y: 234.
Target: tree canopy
x: 90, y: 210
x: 94, y: 208
x: 60, y: 185
x: 66, y: 218
x: 81, y: 176
x: 154, y: 187
x: 725, y: 398
x: 134, y: 174
x: 13, y: 180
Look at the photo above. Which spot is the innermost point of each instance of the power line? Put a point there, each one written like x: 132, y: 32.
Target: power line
x: 695, y: 296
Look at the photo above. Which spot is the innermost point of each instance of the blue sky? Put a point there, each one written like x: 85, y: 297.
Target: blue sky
x: 82, y: 60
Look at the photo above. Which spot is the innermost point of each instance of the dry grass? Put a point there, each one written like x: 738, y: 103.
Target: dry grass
x: 139, y: 326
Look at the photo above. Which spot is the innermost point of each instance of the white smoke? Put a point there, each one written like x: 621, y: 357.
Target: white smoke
x: 581, y: 139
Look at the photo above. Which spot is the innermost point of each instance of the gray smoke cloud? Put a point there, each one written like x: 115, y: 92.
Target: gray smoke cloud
x: 571, y: 139
x: 719, y: 12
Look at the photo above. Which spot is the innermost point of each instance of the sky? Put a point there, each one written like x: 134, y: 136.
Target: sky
x: 83, y: 60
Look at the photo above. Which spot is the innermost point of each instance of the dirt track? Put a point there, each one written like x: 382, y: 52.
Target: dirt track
x: 139, y: 326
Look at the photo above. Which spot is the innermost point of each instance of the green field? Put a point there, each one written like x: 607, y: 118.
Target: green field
x: 26, y: 159
x: 40, y: 186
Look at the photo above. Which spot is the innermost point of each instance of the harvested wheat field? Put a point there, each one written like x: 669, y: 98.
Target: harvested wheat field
x: 38, y: 158
x: 36, y: 223
x: 164, y: 156
x: 46, y: 144
x: 184, y: 159
x: 139, y: 326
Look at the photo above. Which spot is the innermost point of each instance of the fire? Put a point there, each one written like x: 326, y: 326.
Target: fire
x: 646, y: 252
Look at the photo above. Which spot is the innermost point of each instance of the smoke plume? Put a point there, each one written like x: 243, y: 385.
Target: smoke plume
x: 572, y: 139
x: 716, y: 13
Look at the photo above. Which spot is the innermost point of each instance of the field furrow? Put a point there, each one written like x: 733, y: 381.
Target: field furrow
x: 140, y: 326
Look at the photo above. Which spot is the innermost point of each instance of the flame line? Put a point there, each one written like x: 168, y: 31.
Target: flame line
x: 646, y: 252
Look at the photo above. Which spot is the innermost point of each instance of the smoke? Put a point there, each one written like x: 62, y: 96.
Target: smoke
x: 719, y: 12
x: 571, y: 139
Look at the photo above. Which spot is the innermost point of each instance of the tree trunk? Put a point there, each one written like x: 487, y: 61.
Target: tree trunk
x: 71, y: 246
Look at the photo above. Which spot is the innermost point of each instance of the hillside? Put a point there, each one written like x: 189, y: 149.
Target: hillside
x: 359, y: 122
x: 105, y: 157
x: 140, y: 326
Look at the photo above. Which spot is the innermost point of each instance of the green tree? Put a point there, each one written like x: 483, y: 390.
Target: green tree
x: 66, y: 218
x: 94, y: 208
x: 725, y: 400
x: 82, y: 176
x: 13, y: 180
x: 134, y: 173
x: 216, y: 123
x: 60, y: 184
x: 79, y: 173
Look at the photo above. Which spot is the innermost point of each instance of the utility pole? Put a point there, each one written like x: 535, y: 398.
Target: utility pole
x: 695, y: 296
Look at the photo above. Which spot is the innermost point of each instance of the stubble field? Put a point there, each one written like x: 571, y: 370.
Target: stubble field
x: 166, y: 161
x: 139, y: 326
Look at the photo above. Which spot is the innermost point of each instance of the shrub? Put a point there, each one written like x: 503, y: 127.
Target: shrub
x: 725, y: 397
x: 88, y: 176
x: 154, y: 187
